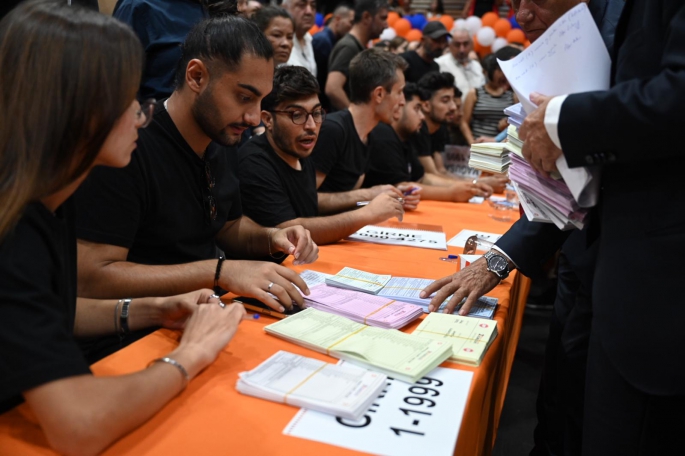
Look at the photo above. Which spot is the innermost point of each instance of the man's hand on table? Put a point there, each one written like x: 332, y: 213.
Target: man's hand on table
x: 382, y: 208
x: 462, y: 191
x: 538, y: 148
x: 471, y: 283
x: 174, y: 311
x: 498, y: 182
x: 296, y: 241
x: 256, y: 279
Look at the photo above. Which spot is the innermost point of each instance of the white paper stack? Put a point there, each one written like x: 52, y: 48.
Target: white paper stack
x: 490, y: 157
x: 354, y: 279
x: 363, y: 307
x: 515, y: 114
x: 345, y: 390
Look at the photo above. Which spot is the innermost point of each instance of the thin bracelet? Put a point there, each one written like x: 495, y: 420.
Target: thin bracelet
x: 116, y: 317
x: 217, y: 274
x: 271, y: 232
x: 177, y: 365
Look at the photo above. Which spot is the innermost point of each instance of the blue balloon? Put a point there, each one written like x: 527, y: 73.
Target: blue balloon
x: 514, y: 24
x: 319, y: 20
x: 417, y: 21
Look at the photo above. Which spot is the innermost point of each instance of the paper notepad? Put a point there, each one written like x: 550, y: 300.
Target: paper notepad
x: 342, y: 390
x: 470, y: 337
x: 363, y: 307
x: 354, y: 279
x: 396, y: 354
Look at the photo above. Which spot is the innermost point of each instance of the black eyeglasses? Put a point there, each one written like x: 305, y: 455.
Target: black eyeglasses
x: 208, y: 194
x: 300, y: 116
x: 147, y: 108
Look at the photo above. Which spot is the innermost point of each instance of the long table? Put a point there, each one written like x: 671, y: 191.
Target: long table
x: 211, y: 417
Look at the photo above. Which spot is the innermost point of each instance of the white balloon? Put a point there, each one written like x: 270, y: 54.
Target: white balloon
x: 473, y: 24
x: 459, y: 24
x: 388, y: 34
x: 499, y: 44
x: 486, y: 36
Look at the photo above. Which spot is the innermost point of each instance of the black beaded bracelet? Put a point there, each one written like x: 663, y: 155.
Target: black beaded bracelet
x: 217, y: 274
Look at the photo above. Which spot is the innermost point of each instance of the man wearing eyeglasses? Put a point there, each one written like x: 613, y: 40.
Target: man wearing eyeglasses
x: 468, y: 74
x: 156, y: 226
x: 277, y: 177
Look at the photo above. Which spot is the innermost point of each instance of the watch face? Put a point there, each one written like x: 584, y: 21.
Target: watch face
x: 498, y: 264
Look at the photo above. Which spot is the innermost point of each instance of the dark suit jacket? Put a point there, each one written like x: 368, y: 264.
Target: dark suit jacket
x: 633, y: 129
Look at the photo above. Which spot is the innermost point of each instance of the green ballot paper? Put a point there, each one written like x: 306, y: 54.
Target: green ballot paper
x: 394, y: 353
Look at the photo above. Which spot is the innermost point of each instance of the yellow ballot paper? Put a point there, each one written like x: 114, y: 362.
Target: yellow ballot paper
x: 394, y: 353
x: 470, y: 337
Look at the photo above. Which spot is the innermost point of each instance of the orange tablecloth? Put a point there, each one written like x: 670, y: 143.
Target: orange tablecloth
x: 211, y: 417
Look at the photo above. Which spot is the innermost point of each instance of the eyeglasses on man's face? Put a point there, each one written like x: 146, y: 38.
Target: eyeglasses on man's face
x: 300, y: 116
x: 144, y: 114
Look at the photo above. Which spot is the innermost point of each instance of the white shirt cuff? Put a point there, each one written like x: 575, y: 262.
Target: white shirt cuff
x: 552, y: 114
x: 504, y: 254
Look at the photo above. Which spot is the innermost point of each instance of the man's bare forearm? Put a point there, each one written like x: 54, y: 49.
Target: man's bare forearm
x: 243, y: 238
x: 332, y: 228
x: 437, y: 193
x: 123, y: 279
x: 334, y: 203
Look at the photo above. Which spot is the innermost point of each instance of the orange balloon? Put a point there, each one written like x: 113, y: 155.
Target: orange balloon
x: 489, y: 19
x: 315, y: 29
x: 447, y: 21
x: 516, y: 36
x: 484, y: 51
x: 526, y: 44
x: 502, y: 27
x: 414, y: 35
x: 402, y: 27
x: 476, y: 45
x: 392, y: 18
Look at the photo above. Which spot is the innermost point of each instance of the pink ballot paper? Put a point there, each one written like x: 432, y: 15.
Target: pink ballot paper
x: 362, y: 307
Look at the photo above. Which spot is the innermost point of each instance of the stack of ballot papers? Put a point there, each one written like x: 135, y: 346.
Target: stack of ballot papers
x: 363, y: 307
x: 402, y: 356
x: 404, y: 289
x: 490, y: 157
x: 470, y: 337
x: 515, y: 115
x: 345, y: 390
x: 354, y: 279
x: 514, y: 143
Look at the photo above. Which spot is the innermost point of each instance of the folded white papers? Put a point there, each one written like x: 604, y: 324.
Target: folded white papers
x: 490, y: 157
x: 460, y: 239
x: 354, y: 279
x: 343, y: 390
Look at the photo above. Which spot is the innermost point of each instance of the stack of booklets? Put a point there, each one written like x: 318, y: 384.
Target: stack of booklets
x: 515, y: 115
x: 490, y: 157
x: 403, y: 356
x: 470, y: 337
x: 345, y: 390
x: 354, y: 279
x: 363, y: 307
x: 404, y: 289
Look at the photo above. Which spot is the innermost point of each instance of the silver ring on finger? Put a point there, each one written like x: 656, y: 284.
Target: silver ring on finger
x: 222, y: 305
x: 271, y: 284
x: 214, y: 296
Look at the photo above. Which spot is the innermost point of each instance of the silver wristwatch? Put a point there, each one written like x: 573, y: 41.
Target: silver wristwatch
x: 497, y: 264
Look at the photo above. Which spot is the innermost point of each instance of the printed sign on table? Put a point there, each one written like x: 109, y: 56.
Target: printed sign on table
x: 406, y: 419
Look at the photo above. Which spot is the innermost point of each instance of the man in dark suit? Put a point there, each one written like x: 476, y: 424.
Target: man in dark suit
x: 529, y: 245
x: 635, y: 390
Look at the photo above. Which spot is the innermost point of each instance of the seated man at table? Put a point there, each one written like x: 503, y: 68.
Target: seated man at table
x: 442, y: 106
x: 156, y: 226
x: 394, y: 161
x: 341, y: 154
x: 277, y: 177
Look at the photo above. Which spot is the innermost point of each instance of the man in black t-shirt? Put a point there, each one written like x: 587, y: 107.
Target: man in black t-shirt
x: 277, y: 177
x: 341, y: 155
x: 370, y: 18
x: 422, y: 60
x: 438, y: 110
x: 153, y: 227
x: 394, y: 161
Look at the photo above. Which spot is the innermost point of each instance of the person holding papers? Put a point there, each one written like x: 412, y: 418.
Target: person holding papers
x: 153, y: 227
x: 277, y: 177
x: 527, y: 246
x: 394, y: 161
x: 341, y: 154
x: 635, y: 391
x: 69, y: 105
